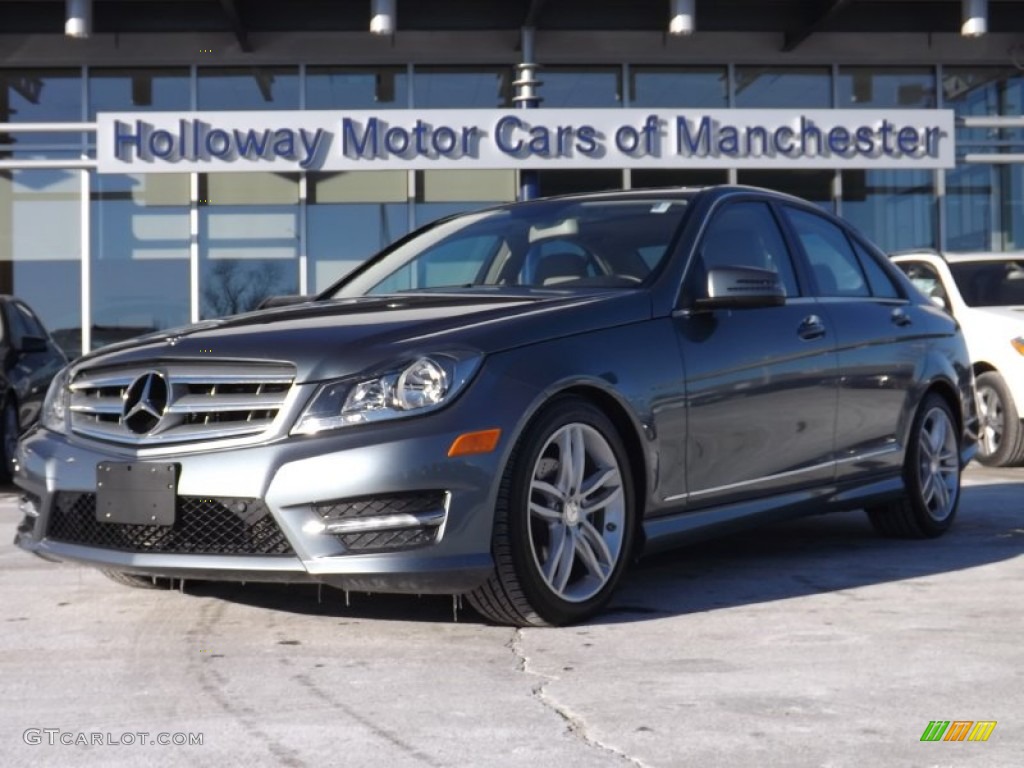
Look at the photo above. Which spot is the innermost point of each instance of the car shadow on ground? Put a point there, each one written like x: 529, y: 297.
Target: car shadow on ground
x: 802, y: 557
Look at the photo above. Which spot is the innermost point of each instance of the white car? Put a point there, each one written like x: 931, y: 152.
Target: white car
x: 985, y: 293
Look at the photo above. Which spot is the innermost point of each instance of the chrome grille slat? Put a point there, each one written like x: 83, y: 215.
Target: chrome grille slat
x: 91, y: 382
x: 228, y: 378
x: 87, y: 404
x: 200, y: 401
x: 215, y: 403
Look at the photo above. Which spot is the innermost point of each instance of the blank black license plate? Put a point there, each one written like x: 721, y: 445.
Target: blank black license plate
x: 136, y: 493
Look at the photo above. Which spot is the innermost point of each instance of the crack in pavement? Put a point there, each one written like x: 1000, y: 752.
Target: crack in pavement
x: 574, y: 723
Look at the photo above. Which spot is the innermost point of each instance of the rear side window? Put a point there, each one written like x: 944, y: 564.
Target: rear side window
x: 835, y: 265
x: 747, y: 235
x: 881, y: 284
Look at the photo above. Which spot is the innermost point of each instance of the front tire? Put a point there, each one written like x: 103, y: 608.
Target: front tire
x: 564, y: 520
x: 1001, y: 436
x: 931, y: 475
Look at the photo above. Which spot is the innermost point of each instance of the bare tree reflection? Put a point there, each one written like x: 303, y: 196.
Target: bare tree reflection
x: 234, y: 286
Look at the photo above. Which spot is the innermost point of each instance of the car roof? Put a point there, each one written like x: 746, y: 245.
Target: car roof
x: 660, y: 193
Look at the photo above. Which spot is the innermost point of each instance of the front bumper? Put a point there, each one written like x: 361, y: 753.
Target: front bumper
x: 292, y: 489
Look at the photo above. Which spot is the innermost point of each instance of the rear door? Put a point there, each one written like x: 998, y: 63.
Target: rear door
x: 761, y: 382
x: 879, y: 342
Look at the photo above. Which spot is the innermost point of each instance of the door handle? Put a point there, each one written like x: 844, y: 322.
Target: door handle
x: 810, y: 328
x: 900, y: 318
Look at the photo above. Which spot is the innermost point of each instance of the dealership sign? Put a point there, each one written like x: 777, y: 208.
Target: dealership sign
x: 542, y: 138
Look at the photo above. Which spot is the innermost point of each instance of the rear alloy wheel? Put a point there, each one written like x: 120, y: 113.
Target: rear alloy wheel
x: 1000, y: 435
x: 564, y: 521
x: 931, y: 475
x: 135, y: 580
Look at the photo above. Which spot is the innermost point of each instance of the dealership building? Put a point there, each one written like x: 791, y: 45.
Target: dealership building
x: 166, y: 162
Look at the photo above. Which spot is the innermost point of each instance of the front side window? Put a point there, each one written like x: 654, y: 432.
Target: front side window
x: 746, y: 235
x: 561, y: 244
x: 831, y: 257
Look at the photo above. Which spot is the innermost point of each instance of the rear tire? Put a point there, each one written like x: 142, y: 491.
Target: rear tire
x: 136, y: 581
x: 1001, y: 435
x: 931, y: 476
x: 564, y: 520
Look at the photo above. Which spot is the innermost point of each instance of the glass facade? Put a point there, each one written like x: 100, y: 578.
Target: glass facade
x: 983, y: 208
x: 356, y: 88
x: 139, y: 256
x: 163, y: 249
x: 40, y: 251
x: 248, y: 240
x: 780, y: 87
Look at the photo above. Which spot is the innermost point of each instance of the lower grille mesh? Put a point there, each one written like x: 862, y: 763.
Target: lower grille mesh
x: 202, y: 526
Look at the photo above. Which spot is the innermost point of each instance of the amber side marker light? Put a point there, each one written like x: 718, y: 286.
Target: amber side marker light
x: 484, y: 441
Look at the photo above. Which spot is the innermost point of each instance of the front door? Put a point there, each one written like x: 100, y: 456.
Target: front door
x: 761, y: 383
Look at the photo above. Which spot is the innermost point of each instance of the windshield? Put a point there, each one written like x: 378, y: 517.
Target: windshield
x: 553, y: 244
x: 990, y: 283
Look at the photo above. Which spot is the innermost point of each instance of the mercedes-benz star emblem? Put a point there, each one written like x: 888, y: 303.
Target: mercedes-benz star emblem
x: 145, y: 403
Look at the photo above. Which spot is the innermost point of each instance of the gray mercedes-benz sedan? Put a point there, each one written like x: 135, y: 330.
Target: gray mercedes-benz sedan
x: 512, y: 404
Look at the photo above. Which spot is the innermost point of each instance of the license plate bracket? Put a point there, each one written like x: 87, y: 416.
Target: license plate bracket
x: 136, y: 493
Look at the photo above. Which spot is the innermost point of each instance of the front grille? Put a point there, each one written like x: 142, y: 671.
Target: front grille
x: 410, y: 537
x: 188, y: 401
x: 202, y: 526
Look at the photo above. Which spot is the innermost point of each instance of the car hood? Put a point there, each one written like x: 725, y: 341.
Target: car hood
x: 333, y: 338
x: 1007, y: 315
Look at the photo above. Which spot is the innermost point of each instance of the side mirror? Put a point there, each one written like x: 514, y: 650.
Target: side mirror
x: 32, y: 344
x: 742, y: 288
x: 939, y: 302
x: 281, y: 301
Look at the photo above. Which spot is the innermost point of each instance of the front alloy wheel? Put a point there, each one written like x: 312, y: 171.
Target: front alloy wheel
x: 577, y: 512
x: 564, y: 520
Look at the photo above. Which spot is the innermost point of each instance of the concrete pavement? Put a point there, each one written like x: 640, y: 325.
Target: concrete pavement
x: 812, y: 643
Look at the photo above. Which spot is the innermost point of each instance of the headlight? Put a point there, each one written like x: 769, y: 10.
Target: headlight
x: 55, y: 406
x: 1018, y: 344
x: 420, y: 386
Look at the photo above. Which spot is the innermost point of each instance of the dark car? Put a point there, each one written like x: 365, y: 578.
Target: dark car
x: 511, y: 404
x: 30, y: 361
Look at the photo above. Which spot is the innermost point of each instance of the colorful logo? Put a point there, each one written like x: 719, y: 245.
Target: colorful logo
x: 958, y: 730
